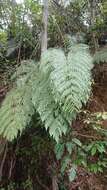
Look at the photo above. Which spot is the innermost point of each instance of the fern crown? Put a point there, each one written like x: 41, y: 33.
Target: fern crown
x: 56, y: 88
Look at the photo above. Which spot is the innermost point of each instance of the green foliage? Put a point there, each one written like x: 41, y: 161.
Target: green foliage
x: 65, y: 164
x: 15, y: 113
x: 104, y: 7
x: 66, y: 79
x: 3, y: 37
x: 69, y: 147
x: 27, y: 184
x: 95, y: 121
x: 24, y: 72
x: 90, y: 154
x: 100, y: 56
x: 98, y: 166
x: 64, y: 152
x: 48, y: 110
x: 70, y: 84
x: 10, y: 186
x: 97, y: 147
x: 59, y: 150
x: 57, y: 90
x: 72, y: 173
x: 17, y: 108
x: 77, y: 142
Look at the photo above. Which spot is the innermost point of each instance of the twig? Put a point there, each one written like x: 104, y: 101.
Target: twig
x: 12, y: 164
x: 88, y: 136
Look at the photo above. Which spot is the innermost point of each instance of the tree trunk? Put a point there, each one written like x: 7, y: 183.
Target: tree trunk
x: 44, y: 26
x: 93, y: 7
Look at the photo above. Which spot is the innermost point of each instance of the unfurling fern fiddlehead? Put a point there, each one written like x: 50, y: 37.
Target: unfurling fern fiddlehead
x: 57, y: 90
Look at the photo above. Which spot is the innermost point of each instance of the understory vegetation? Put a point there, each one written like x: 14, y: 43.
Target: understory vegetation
x: 53, y: 95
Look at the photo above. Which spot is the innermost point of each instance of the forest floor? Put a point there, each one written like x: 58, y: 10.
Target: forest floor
x: 97, y: 103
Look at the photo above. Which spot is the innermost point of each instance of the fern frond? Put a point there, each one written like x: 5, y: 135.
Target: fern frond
x: 57, y: 89
x: 71, y: 41
x: 24, y: 72
x: 100, y: 56
x: 51, y: 59
x: 49, y: 111
x: 15, y: 113
x: 79, y: 74
x: 17, y: 108
x: 70, y: 77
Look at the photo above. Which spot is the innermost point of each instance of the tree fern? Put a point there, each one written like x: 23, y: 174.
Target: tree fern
x: 57, y: 89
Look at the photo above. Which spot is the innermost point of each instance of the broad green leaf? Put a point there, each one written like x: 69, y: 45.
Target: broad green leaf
x: 93, y: 150
x: 100, y: 148
x: 69, y: 146
x: 72, y: 173
x: 65, y: 163
x: 59, y: 150
x: 77, y: 141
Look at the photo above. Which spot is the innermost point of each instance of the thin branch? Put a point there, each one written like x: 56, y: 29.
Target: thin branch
x: 89, y: 136
x: 12, y: 164
x: 44, y: 27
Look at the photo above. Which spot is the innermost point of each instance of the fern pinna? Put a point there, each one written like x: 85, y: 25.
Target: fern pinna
x: 56, y: 88
x: 101, y: 56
